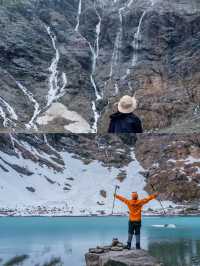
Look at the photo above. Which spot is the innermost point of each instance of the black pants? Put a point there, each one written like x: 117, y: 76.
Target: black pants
x: 134, y: 229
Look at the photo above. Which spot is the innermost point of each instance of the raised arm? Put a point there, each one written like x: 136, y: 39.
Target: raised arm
x: 123, y: 199
x: 149, y: 198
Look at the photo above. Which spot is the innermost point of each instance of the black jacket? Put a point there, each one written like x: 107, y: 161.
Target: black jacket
x: 125, y: 123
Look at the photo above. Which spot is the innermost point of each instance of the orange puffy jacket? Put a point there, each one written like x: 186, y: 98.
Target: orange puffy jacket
x: 135, y: 206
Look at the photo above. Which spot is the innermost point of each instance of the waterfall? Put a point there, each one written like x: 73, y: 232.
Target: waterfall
x: 53, y: 80
x: 55, y: 91
x: 31, y: 98
x: 96, y: 117
x: 5, y: 119
x: 94, y: 59
x: 137, y: 40
x: 137, y: 37
x: 116, y: 89
x: 98, y: 31
x: 129, y: 3
x: 11, y: 112
x: 78, y: 15
x: 114, y: 55
x: 62, y: 89
x: 9, y: 108
x: 117, y: 44
x: 95, y: 54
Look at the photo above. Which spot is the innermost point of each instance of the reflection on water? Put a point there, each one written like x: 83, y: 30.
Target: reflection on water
x: 43, y: 239
x: 179, y: 253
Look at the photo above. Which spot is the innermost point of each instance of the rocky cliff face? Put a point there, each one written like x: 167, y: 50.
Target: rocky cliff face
x: 173, y: 164
x: 64, y: 63
x: 59, y: 173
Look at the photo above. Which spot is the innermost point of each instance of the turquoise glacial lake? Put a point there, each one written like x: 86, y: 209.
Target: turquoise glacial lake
x: 69, y: 238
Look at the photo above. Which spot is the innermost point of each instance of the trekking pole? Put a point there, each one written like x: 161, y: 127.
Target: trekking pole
x: 159, y: 200
x: 116, y: 188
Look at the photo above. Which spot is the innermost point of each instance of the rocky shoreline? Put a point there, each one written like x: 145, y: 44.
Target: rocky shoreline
x: 60, y: 212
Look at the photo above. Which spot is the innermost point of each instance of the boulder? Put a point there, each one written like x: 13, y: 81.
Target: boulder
x: 121, y: 258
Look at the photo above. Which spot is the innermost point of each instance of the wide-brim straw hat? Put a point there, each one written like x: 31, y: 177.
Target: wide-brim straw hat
x: 127, y: 104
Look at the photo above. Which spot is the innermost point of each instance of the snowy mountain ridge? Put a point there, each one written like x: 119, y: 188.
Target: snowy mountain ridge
x: 67, y: 174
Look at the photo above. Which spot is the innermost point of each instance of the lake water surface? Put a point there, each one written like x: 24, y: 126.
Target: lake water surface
x: 70, y: 238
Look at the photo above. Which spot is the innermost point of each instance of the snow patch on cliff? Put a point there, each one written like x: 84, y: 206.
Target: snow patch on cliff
x: 75, y: 123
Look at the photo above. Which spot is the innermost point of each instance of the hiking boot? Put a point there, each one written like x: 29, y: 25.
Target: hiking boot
x: 128, y: 246
x: 137, y: 245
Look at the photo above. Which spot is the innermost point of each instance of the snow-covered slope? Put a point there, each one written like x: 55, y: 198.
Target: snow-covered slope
x: 59, y: 183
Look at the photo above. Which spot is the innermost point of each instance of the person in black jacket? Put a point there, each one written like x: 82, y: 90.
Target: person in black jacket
x: 125, y: 121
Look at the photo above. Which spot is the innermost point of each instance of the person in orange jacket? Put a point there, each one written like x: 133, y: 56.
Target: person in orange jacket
x: 135, y: 215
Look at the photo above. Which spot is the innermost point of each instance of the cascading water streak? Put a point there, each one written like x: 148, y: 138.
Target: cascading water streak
x: 94, y: 59
x: 31, y: 98
x: 55, y: 91
x: 11, y: 113
x: 96, y: 117
x: 5, y: 119
x: 116, y: 89
x: 9, y: 109
x: 117, y: 44
x: 137, y: 37
x: 95, y: 54
x: 129, y: 3
x: 62, y: 89
x: 78, y: 15
x: 137, y: 40
x: 53, y: 80
x: 117, y: 47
